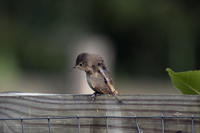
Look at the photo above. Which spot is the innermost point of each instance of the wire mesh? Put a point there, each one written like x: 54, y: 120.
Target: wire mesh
x: 106, y: 118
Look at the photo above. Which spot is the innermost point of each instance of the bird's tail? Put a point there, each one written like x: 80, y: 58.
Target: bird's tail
x: 116, y: 92
x: 116, y: 97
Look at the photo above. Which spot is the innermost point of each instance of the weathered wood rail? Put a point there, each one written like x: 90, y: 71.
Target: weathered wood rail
x: 15, y: 105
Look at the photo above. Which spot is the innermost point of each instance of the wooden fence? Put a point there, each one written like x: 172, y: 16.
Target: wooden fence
x: 28, y: 105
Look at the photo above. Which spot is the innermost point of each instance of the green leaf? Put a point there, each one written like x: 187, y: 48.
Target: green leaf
x: 186, y: 82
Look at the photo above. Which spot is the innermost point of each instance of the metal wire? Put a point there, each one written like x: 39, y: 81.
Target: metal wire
x: 137, y: 124
x: 78, y: 124
x: 22, y: 124
x: 106, y: 122
x: 69, y: 117
x: 162, y: 124
x: 106, y: 117
x: 192, y: 123
x: 49, y: 125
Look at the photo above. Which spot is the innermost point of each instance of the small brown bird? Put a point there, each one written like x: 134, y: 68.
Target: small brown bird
x: 98, y: 76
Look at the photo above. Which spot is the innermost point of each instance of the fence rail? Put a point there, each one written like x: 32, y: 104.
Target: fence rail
x: 44, y: 113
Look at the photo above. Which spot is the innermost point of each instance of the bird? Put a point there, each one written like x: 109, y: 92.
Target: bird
x: 98, y: 76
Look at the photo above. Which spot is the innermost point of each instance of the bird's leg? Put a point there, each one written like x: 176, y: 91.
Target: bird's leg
x: 94, y: 96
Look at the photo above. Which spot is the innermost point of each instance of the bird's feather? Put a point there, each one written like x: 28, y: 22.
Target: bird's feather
x: 102, y: 82
x: 98, y: 83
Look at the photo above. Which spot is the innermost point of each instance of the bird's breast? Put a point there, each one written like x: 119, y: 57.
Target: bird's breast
x: 89, y: 83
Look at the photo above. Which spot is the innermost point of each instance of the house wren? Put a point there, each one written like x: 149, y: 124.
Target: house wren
x: 98, y: 76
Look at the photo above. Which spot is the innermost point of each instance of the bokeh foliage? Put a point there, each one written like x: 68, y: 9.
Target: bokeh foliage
x: 148, y: 35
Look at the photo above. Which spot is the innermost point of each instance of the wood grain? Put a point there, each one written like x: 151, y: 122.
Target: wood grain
x: 15, y: 105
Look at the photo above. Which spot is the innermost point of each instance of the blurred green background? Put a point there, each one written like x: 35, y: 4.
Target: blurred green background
x: 40, y: 40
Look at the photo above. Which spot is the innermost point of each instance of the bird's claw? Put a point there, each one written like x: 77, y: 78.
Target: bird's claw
x: 93, y: 97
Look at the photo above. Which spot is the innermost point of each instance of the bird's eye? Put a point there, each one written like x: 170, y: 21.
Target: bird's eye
x: 80, y: 64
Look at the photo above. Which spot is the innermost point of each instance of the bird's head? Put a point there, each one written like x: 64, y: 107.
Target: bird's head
x: 82, y: 62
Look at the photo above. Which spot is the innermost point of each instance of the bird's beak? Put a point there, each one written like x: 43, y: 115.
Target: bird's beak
x: 72, y: 68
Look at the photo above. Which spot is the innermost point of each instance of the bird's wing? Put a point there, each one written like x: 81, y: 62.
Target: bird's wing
x: 107, y: 76
x: 98, y: 82
x: 102, y: 82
